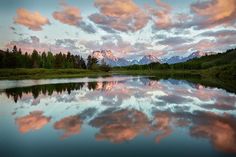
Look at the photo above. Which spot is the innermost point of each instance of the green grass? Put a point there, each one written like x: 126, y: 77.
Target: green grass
x: 222, y: 72
x: 48, y: 73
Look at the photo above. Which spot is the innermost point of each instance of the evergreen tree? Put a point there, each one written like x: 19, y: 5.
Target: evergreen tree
x: 59, y: 60
x: 89, y: 62
x: 35, y: 59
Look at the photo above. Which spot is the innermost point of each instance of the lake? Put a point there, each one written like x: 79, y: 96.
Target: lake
x: 115, y: 116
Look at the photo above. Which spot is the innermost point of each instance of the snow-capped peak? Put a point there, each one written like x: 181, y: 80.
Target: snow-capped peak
x: 197, y: 54
x: 148, y: 59
x: 104, y: 54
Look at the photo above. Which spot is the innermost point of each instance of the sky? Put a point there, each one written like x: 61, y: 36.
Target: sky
x: 129, y: 28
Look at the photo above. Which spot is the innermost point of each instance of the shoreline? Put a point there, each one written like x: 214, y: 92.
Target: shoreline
x: 39, y: 73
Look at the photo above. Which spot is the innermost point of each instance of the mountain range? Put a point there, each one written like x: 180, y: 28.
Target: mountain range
x: 108, y: 57
x: 179, y: 59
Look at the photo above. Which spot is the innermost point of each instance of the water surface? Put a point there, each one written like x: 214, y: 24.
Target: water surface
x: 115, y: 116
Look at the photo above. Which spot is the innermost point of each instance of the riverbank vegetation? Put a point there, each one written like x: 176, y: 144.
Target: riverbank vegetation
x: 17, y: 65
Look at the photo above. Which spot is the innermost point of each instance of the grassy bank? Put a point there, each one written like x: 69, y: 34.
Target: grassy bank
x: 220, y: 72
x: 220, y: 77
x: 48, y: 73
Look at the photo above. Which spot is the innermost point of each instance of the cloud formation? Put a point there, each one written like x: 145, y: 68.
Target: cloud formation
x: 208, y: 14
x: 34, y: 121
x: 213, y: 13
x: 120, y: 126
x: 137, y: 24
x: 220, y: 130
x: 32, y: 43
x: 70, y: 125
x: 71, y: 15
x: 162, y: 16
x: 121, y: 15
x: 32, y: 20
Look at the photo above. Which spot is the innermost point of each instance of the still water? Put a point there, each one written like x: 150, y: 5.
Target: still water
x: 115, y: 116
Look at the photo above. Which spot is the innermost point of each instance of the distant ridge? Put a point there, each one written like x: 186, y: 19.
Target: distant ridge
x: 109, y: 58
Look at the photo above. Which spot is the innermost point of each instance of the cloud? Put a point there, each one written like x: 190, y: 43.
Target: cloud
x: 164, y: 19
x: 162, y: 16
x: 32, y: 43
x: 34, y: 121
x: 120, y: 15
x: 109, y: 42
x: 213, y: 13
x: 69, y: 43
x: 120, y: 126
x: 220, y: 106
x: 162, y: 123
x: 121, y: 47
x: 71, y: 15
x: 12, y: 28
x: 71, y: 125
x: 32, y: 20
x: 219, y: 41
x: 203, y: 14
x: 219, y: 34
x: 173, y: 41
x: 174, y: 99
x: 220, y: 130
x: 87, y: 27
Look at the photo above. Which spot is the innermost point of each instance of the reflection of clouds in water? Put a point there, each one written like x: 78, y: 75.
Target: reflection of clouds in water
x: 219, y: 106
x: 123, y: 125
x: 220, y: 130
x: 174, y: 99
x: 123, y: 110
x: 162, y: 123
x: 120, y: 126
x: 34, y: 121
x: 70, y: 125
x: 141, y: 94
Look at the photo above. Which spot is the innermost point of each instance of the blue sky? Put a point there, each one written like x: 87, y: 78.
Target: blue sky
x: 130, y: 28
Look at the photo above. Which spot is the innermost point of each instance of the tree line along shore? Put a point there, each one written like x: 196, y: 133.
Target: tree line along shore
x: 17, y: 65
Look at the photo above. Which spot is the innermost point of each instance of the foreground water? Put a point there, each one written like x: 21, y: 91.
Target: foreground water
x: 115, y: 116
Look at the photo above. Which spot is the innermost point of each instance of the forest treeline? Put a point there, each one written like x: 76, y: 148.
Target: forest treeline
x: 16, y: 59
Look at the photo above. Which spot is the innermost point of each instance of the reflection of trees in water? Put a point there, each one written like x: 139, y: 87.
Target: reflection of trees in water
x: 16, y: 93
x: 92, y: 85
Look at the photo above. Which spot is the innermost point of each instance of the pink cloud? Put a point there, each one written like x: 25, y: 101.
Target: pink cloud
x: 69, y: 15
x: 161, y: 15
x: 220, y: 130
x: 32, y: 20
x: 121, y: 15
x: 213, y: 13
x: 34, y: 121
x: 71, y: 125
x: 120, y: 126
